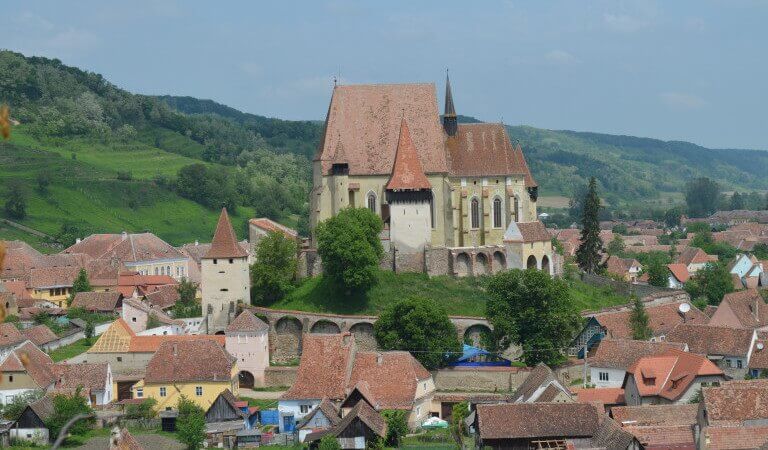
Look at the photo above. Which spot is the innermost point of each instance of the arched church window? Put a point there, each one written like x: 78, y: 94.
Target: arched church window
x: 497, y: 212
x: 474, y: 213
x: 432, y: 211
x: 372, y: 202
x: 517, y: 209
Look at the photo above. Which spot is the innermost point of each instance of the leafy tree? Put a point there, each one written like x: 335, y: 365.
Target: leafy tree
x: 397, y: 426
x: 89, y: 331
x: 639, y: 321
x: 672, y: 217
x: 329, y: 442
x: 152, y: 321
x: 13, y: 409
x: 143, y: 410
x: 620, y: 229
x: 702, y: 196
x: 16, y: 200
x: 350, y: 248
x: 760, y: 251
x: 588, y: 253
x: 190, y: 423
x: 68, y: 233
x: 274, y: 271
x: 421, y: 326
x: 81, y: 284
x: 187, y: 305
x: 459, y: 413
x: 712, y: 282
x: 187, y: 291
x: 616, y: 247
x: 43, y: 179
x: 737, y: 201
x: 657, y: 272
x: 65, y: 407
x: 534, y: 310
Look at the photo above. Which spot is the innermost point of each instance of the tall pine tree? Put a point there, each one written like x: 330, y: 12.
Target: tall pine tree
x: 639, y: 321
x: 589, y: 252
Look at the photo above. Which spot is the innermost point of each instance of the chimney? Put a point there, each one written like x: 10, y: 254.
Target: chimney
x: 196, y: 243
x: 77, y: 240
x: 175, y: 350
x: 379, y: 359
x: 124, y: 235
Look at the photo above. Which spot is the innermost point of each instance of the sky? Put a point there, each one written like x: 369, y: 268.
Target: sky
x: 675, y: 70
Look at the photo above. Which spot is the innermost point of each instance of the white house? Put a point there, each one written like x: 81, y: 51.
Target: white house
x: 612, y: 357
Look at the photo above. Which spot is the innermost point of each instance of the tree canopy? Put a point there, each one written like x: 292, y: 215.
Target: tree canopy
x: 420, y: 326
x: 530, y: 308
x: 273, y: 273
x: 588, y: 254
x: 711, y: 282
x: 81, y: 284
x: 190, y: 423
x: 639, y: 321
x: 702, y: 196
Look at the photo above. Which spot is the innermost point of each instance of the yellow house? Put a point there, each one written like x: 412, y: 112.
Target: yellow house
x: 197, y: 369
x: 53, y: 284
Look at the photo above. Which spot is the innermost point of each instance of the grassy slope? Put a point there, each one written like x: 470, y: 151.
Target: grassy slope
x: 87, y: 192
x: 462, y: 296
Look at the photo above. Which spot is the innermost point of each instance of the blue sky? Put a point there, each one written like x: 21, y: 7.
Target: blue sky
x: 688, y: 70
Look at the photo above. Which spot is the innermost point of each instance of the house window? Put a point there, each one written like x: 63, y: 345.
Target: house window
x: 497, y: 212
x: 474, y: 212
x: 215, y: 261
x: 603, y: 376
x: 157, y: 271
x: 119, y: 359
x: 163, y: 393
x: 10, y: 378
x: 728, y: 363
x: 139, y: 392
x: 133, y: 319
x: 304, y: 409
x: 199, y: 391
x: 371, y: 202
x: 168, y: 270
x: 739, y: 364
x: 231, y: 260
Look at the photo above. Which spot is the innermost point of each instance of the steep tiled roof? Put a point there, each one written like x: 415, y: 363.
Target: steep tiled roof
x: 736, y: 402
x: 679, y: 271
x: 484, y: 149
x: 189, y: 360
x: 540, y: 376
x: 116, y: 339
x: 43, y: 407
x: 91, y: 377
x: 734, y: 438
x: 407, y: 173
x: 49, y: 277
x: 98, y: 301
x: 328, y: 410
x: 270, y: 225
x: 744, y: 309
x: 712, y: 340
x: 693, y: 255
x: 39, y: 334
x: 669, y: 375
x: 224, y: 243
x: 606, y: 396
x: 163, y: 297
x: 621, y: 353
x: 363, y: 125
x: 326, y: 364
x: 620, y: 266
x: 10, y: 335
x: 610, y: 435
x: 247, y: 322
x: 759, y: 357
x: 664, y: 436
x: 362, y: 411
x: 537, y: 420
x: 150, y: 344
x: 684, y: 414
x: 527, y: 232
x: 27, y: 357
x: 390, y: 377
x: 661, y: 319
x: 125, y: 248
x: 161, y: 316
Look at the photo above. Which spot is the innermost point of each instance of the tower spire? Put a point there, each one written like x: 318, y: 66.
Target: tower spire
x: 450, y: 124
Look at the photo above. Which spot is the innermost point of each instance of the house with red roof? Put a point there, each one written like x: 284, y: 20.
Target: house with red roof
x: 25, y: 368
x: 674, y: 376
x: 678, y: 275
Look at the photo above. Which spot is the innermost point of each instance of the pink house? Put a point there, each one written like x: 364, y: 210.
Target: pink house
x: 247, y: 339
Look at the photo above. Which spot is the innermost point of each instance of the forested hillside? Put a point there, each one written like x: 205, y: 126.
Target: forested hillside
x: 87, y: 156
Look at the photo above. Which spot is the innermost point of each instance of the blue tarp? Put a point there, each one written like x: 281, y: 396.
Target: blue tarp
x: 269, y: 417
x: 477, y: 357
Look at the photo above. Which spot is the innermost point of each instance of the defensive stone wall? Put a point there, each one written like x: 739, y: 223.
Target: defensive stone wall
x: 480, y: 379
x: 280, y: 376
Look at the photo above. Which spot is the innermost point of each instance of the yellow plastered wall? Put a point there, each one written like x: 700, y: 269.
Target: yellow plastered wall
x: 45, y: 294
x: 174, y: 391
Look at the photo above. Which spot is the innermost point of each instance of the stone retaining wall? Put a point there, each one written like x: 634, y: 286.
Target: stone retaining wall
x: 480, y: 379
x: 280, y: 376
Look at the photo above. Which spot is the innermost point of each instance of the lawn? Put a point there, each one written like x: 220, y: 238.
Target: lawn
x: 459, y: 296
x: 262, y: 403
x: 71, y: 350
x: 9, y: 233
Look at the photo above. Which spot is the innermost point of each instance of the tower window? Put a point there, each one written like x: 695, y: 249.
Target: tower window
x: 371, y: 201
x: 475, y: 213
x: 497, y: 212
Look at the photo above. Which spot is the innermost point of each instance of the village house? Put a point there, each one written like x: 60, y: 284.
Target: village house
x: 10, y: 337
x: 662, y: 318
x: 732, y: 413
x: 360, y: 427
x: 21, y: 259
x: 144, y: 253
x: 41, y: 336
x: 163, y: 297
x: 134, y: 284
x: 627, y: 268
x: 25, y: 368
x: 136, y: 314
x: 660, y: 426
x: 678, y: 275
x: 729, y: 348
x: 460, y: 192
x: 52, y: 284
x: 671, y: 377
x: 610, y: 360
x: 101, y: 302
x: 505, y: 426
x: 608, y: 397
x: 758, y: 361
x: 31, y: 424
x: 743, y: 309
x: 247, y: 339
x: 331, y: 367
x: 226, y: 419
x: 261, y: 227
x: 542, y: 385
x: 93, y: 380
x: 694, y: 259
x: 322, y: 417
x: 198, y: 369
x: 747, y: 269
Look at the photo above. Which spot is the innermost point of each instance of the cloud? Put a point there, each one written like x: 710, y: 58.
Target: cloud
x: 624, y: 23
x: 561, y: 57
x: 682, y: 101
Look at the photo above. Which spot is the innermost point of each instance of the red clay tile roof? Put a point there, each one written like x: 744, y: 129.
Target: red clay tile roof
x: 658, y: 437
x: 391, y: 378
x: 693, y: 255
x: 10, y: 335
x: 670, y: 374
x: 407, y: 173
x: 712, y: 340
x: 606, y: 396
x: 128, y: 282
x: 744, y: 309
x: 621, y: 353
x: 363, y: 125
x: 27, y: 357
x: 125, y: 248
x: 759, y: 357
x: 734, y: 438
x: 149, y: 344
x: 91, y: 377
x: 224, y: 243
x: 159, y: 313
x: 163, y: 297
x: 661, y: 319
x: 326, y: 364
x: 537, y: 420
x: 484, y: 149
x: 98, y: 301
x: 528, y: 232
x: 684, y: 414
x: 620, y: 266
x: 270, y: 225
x: 50, y: 277
x: 679, y: 271
x: 736, y: 402
x: 247, y: 322
x: 18, y: 288
x: 363, y: 411
x: 189, y: 360
x: 539, y: 376
x: 39, y: 334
